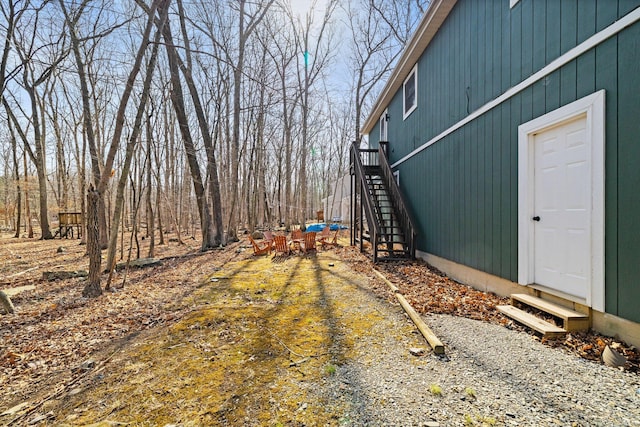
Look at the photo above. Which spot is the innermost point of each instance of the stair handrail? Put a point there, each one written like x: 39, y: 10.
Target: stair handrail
x: 404, y: 216
x: 366, y: 200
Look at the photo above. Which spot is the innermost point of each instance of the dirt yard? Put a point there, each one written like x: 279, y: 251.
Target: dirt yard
x: 215, y: 338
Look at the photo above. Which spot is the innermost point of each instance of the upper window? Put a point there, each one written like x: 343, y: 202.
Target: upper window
x: 410, y: 92
x: 513, y: 3
x: 383, y: 125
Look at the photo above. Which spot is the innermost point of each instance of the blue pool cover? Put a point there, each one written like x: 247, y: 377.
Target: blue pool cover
x: 318, y: 227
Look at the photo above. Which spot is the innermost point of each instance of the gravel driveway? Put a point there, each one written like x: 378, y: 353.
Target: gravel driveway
x: 490, y: 376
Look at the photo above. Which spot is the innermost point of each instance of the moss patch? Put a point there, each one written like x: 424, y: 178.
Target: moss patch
x: 253, y: 351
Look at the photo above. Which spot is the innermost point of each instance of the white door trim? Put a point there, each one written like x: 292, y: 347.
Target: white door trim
x: 593, y: 107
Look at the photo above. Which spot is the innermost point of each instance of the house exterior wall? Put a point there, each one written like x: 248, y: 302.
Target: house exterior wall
x: 462, y: 190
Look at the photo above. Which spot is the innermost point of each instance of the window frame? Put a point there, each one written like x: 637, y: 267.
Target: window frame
x: 384, y: 125
x: 407, y: 110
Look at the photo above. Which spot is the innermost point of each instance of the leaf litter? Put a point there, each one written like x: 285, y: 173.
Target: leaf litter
x: 430, y: 291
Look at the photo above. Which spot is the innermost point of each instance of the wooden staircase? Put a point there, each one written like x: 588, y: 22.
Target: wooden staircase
x: 570, y: 320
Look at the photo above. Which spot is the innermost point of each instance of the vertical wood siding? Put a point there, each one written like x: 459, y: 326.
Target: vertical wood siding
x: 463, y: 189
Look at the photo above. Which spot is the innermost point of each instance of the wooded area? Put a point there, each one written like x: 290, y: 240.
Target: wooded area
x: 184, y: 115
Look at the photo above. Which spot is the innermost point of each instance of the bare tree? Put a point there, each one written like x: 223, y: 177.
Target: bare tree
x: 281, y: 47
x: 379, y: 29
x: 214, y: 237
x: 101, y: 177
x: 38, y: 57
x: 245, y: 30
x: 316, y: 58
x: 16, y: 174
x: 149, y: 203
x: 93, y: 288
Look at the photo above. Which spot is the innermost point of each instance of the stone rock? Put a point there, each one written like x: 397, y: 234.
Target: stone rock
x: 61, y: 250
x: 139, y: 263
x: 63, y: 275
x: 88, y: 364
x: 612, y: 358
x: 6, y: 306
x: 417, y: 351
x: 257, y: 235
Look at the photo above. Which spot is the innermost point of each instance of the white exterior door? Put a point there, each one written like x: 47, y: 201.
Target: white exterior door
x: 561, y: 201
x: 562, y: 207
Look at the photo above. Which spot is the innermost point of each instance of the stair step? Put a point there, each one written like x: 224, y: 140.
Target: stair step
x: 572, y: 320
x: 545, y: 328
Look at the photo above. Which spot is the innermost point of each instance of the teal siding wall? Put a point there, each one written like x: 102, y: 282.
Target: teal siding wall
x: 463, y: 189
x: 628, y: 179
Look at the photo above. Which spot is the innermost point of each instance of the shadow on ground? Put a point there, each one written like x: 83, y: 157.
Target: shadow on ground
x: 262, y: 346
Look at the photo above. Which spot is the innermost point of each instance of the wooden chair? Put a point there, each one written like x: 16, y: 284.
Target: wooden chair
x: 297, y: 238
x: 309, y: 243
x: 260, y: 250
x: 268, y: 237
x: 324, y: 236
x: 280, y: 244
x: 333, y: 242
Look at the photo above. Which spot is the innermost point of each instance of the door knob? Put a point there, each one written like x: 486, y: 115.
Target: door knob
x: 536, y: 218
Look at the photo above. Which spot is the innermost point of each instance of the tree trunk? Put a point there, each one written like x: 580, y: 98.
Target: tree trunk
x: 16, y: 172
x: 177, y: 99
x: 215, y: 234
x: 27, y: 214
x: 133, y: 138
x: 92, y: 289
x: 150, y: 217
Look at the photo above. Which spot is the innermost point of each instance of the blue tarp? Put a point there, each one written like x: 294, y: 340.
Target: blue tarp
x: 318, y: 227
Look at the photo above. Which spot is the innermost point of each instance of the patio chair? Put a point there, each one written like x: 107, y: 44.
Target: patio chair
x: 268, y: 237
x: 258, y: 249
x: 324, y: 235
x: 297, y: 237
x: 333, y: 242
x: 309, y: 243
x: 280, y: 244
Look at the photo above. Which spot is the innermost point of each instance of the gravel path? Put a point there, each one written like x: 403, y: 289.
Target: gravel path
x: 490, y: 376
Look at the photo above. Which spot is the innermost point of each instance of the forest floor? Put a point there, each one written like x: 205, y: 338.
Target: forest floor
x: 257, y: 330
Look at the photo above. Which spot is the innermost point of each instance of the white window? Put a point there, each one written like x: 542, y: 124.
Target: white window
x: 383, y: 125
x: 410, y: 92
x: 396, y: 176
